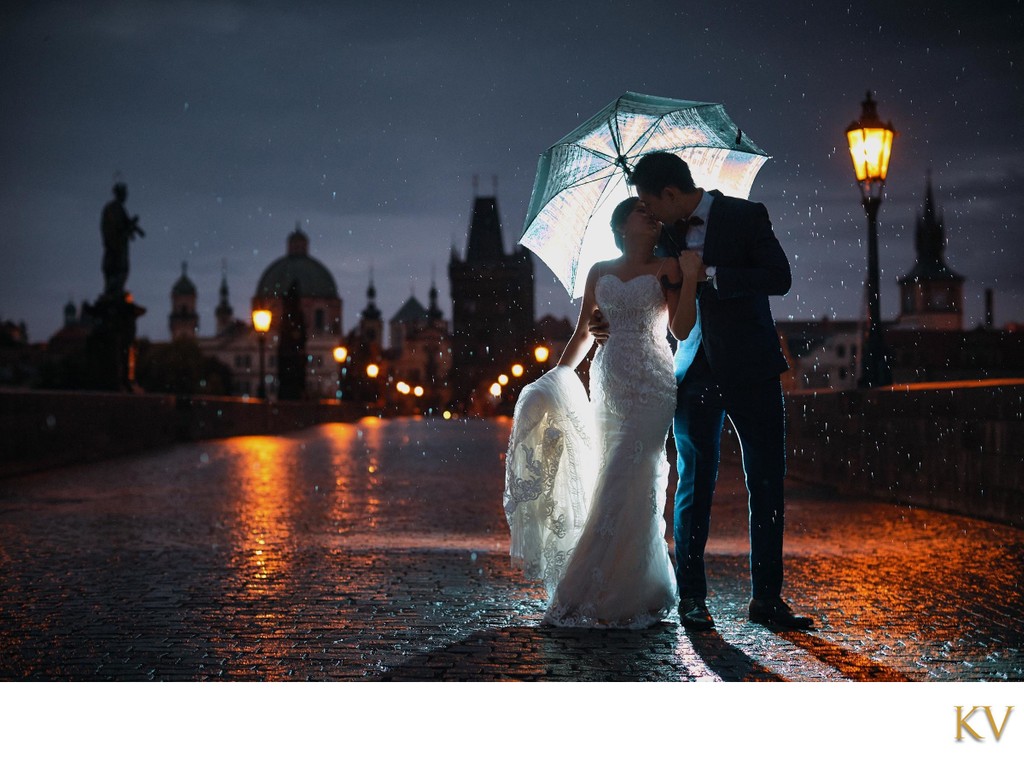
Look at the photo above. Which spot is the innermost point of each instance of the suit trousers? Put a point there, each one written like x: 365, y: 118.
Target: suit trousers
x: 756, y: 411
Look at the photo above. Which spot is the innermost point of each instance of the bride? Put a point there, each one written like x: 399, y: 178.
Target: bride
x: 586, y: 479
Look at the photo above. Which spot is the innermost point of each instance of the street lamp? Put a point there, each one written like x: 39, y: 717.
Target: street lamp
x: 261, y: 323
x: 541, y: 354
x: 870, y: 148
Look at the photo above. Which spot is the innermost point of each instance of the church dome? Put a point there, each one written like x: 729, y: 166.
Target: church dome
x: 312, y: 277
x: 184, y: 285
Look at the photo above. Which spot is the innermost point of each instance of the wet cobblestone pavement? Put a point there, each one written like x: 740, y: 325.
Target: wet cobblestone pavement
x: 378, y: 551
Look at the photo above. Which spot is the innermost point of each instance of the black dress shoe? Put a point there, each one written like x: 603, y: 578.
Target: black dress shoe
x: 694, y: 614
x: 775, y: 613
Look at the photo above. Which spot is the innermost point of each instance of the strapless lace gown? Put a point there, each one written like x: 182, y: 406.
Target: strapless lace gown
x: 597, y: 538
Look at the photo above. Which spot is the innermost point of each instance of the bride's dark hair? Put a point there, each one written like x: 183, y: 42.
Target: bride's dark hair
x: 619, y: 216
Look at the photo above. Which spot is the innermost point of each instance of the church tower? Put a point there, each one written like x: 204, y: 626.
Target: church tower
x: 184, y: 320
x: 492, y: 303
x: 371, y: 321
x: 434, y: 316
x: 932, y: 294
x: 224, y: 313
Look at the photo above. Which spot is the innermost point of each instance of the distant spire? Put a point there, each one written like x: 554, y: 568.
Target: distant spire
x: 930, y: 243
x: 224, y: 282
x: 223, y: 312
x: 434, y: 312
x: 371, y: 312
x: 929, y: 197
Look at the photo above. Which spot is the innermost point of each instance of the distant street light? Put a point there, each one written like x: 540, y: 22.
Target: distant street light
x: 495, y: 389
x: 372, y: 371
x: 261, y: 323
x: 870, y: 149
x: 541, y: 353
x: 418, y: 391
x: 503, y: 379
x: 340, y: 354
x: 517, y: 370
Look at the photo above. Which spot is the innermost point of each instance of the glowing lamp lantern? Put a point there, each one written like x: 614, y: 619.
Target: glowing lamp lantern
x: 418, y: 391
x: 403, y: 387
x: 870, y: 143
x: 495, y: 389
x: 372, y: 371
x: 541, y: 354
x: 261, y: 319
x: 517, y: 370
x: 340, y: 354
x: 503, y: 379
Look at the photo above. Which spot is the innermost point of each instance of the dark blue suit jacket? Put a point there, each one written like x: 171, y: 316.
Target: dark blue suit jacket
x: 738, y: 334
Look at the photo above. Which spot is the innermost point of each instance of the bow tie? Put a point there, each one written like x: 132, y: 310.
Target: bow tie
x: 682, y: 226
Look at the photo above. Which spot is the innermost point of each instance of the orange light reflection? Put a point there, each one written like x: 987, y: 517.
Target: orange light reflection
x: 261, y: 483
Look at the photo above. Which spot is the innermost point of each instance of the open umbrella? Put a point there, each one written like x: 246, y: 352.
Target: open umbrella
x: 582, y: 177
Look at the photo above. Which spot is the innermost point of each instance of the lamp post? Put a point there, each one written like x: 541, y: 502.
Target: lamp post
x: 340, y: 355
x: 870, y: 147
x: 261, y: 323
x: 372, y: 376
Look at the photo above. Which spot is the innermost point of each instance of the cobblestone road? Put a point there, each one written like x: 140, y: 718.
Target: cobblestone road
x: 377, y: 551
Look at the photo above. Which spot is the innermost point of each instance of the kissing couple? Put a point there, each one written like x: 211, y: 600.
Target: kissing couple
x: 586, y: 477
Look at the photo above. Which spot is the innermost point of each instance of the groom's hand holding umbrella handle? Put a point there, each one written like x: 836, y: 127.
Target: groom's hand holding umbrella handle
x: 598, y: 327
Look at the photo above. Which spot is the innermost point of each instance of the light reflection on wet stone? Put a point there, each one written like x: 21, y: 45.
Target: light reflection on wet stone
x: 378, y: 550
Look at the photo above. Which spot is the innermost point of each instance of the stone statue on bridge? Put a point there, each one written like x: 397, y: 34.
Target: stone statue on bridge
x: 118, y: 228
x: 112, y: 318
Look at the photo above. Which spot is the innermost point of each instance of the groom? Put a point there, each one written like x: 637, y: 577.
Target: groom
x: 728, y: 366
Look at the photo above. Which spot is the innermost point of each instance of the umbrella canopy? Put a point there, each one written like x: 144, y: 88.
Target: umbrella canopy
x: 582, y: 177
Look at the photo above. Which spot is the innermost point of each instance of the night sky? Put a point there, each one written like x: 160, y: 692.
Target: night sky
x: 366, y: 123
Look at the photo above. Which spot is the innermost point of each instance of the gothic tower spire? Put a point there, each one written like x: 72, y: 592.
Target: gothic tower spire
x: 931, y: 294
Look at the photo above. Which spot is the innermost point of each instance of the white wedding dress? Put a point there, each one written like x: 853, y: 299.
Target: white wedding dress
x: 586, y: 480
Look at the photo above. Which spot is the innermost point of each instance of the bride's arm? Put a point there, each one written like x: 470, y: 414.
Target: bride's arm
x: 580, y: 343
x: 682, y: 303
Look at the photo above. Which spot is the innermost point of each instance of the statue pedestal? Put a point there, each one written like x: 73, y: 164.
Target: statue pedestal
x: 111, y: 343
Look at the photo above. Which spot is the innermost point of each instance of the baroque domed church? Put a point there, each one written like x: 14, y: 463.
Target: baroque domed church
x: 300, y: 292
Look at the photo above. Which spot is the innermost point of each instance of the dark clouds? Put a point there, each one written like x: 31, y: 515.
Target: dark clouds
x: 366, y: 123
